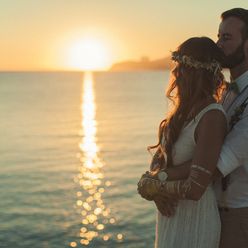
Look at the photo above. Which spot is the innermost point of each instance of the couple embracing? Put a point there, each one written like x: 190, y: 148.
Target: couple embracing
x: 202, y: 152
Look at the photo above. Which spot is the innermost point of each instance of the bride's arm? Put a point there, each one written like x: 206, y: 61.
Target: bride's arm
x: 209, y: 136
x: 179, y: 172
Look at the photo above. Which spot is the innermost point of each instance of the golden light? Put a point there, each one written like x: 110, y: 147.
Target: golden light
x: 90, y: 178
x: 89, y: 54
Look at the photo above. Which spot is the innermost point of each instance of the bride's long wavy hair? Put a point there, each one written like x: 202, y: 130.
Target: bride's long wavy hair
x: 187, y: 88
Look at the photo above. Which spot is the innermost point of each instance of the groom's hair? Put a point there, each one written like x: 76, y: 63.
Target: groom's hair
x: 241, y: 14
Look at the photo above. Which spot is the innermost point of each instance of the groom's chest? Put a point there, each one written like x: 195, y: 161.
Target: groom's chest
x: 231, y: 101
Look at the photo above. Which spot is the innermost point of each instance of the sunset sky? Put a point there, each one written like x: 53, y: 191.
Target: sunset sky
x: 76, y: 34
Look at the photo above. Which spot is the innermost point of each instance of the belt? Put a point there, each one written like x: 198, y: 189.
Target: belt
x: 236, y: 210
x: 223, y: 209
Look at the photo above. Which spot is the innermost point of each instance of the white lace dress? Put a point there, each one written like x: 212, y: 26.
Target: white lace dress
x: 196, y: 224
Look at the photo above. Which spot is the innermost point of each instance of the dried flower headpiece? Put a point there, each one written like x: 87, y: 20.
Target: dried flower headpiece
x: 213, y: 66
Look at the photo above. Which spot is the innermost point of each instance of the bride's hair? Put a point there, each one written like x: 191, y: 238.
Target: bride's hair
x: 188, y: 86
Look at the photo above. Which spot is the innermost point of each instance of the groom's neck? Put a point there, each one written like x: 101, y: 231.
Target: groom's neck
x: 239, y: 70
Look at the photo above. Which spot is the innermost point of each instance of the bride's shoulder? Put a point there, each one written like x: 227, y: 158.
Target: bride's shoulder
x: 214, y: 118
x: 213, y: 106
x: 211, y: 110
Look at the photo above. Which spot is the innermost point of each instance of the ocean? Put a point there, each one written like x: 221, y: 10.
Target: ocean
x: 73, y: 146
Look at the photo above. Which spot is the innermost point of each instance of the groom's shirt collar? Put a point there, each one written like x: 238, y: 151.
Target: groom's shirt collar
x: 242, y: 81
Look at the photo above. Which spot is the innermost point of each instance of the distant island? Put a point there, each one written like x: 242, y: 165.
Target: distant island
x: 143, y: 64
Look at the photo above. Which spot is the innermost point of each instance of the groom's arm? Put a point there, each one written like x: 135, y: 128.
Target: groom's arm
x: 235, y: 148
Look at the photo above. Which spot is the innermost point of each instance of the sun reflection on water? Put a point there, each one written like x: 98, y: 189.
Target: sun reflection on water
x: 95, y: 215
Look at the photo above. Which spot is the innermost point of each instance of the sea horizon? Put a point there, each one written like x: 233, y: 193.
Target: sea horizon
x: 73, y: 148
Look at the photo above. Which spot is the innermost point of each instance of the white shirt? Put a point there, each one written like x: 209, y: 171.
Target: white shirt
x: 234, y: 154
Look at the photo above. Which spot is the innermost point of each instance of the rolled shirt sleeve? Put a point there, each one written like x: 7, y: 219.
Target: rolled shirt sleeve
x: 234, y: 151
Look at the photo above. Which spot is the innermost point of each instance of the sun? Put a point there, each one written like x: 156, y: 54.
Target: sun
x: 89, y: 54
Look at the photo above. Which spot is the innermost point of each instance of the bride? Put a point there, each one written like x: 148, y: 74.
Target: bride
x: 194, y: 130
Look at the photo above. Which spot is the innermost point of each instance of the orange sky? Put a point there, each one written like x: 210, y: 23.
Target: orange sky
x: 52, y: 34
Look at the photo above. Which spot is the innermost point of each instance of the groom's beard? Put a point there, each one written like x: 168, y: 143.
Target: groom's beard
x: 234, y: 59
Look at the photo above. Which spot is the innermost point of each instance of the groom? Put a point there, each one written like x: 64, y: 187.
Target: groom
x: 232, y: 188
x: 232, y: 195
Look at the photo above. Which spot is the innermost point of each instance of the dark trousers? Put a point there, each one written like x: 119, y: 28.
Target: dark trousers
x: 234, y: 228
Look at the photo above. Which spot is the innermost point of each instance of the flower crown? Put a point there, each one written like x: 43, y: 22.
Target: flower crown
x: 213, y: 66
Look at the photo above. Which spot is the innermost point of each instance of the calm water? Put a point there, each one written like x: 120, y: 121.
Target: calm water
x: 72, y: 149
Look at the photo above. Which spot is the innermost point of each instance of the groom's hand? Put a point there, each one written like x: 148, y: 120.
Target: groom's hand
x: 166, y: 206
